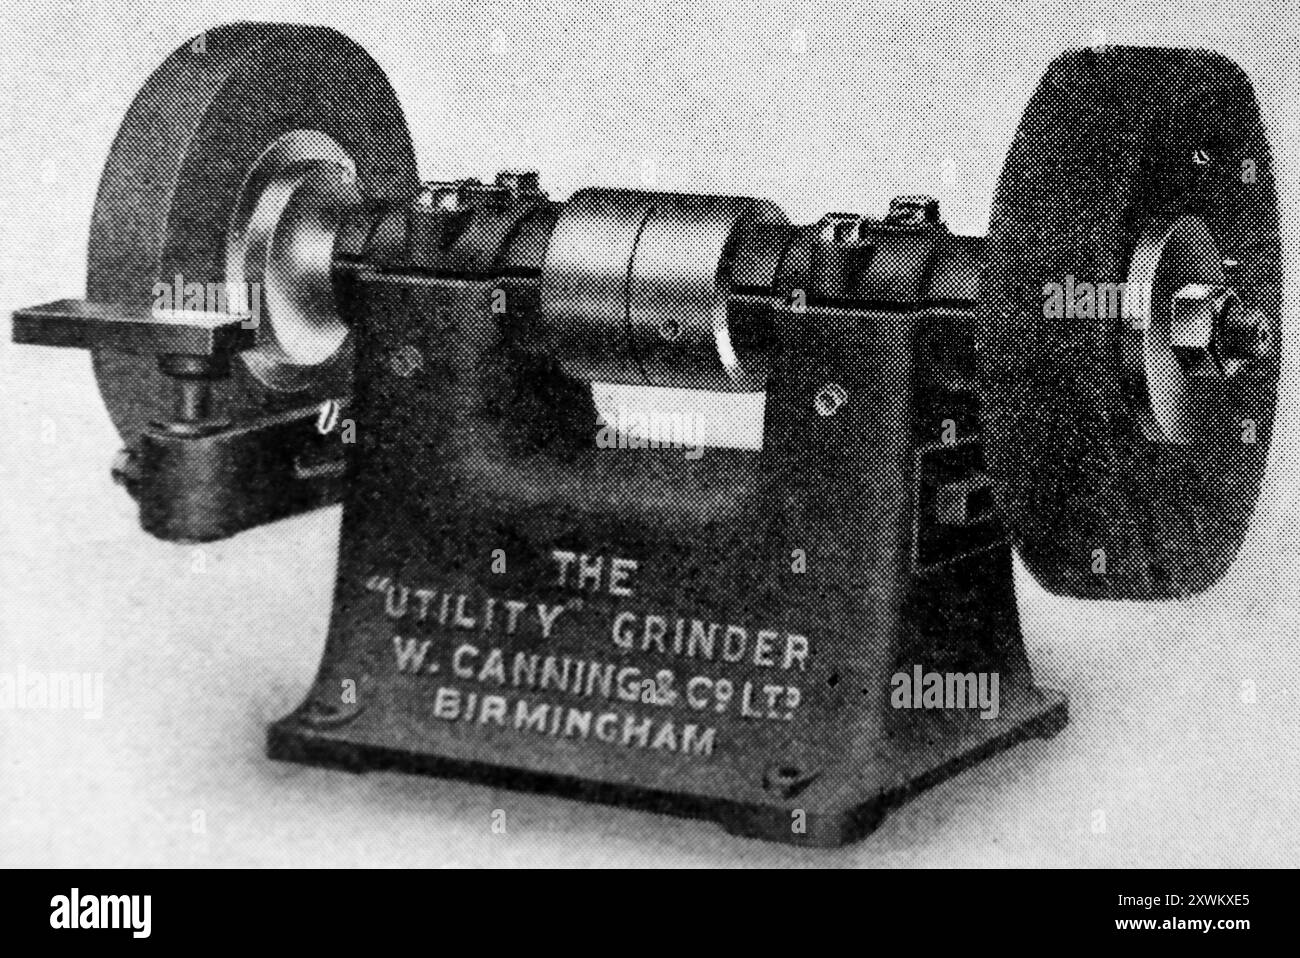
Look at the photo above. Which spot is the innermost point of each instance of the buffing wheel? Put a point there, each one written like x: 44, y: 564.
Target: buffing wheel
x: 1121, y: 474
x: 243, y: 117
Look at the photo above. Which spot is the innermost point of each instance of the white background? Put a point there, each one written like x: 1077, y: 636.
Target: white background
x: 834, y: 107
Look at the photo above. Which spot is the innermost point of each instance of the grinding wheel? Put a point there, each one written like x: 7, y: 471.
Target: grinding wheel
x: 239, y: 129
x: 1121, y: 474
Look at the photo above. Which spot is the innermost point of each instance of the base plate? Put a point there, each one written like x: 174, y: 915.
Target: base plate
x: 837, y: 807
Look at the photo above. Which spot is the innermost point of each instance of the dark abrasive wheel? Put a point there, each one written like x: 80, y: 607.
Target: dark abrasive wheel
x: 235, y: 165
x: 1128, y: 326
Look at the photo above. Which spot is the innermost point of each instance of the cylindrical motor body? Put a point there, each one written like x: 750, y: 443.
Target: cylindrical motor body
x: 635, y: 289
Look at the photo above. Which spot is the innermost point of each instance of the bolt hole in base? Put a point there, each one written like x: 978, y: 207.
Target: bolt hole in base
x: 279, y: 255
x: 787, y: 780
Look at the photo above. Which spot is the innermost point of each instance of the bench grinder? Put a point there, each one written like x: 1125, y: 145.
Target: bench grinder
x: 1092, y: 383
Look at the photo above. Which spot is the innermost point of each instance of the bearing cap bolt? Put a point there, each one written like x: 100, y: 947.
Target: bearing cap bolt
x: 913, y: 211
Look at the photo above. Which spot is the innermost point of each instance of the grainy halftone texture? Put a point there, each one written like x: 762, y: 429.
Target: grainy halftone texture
x: 171, y: 182
x: 1114, y: 141
x: 1181, y: 745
